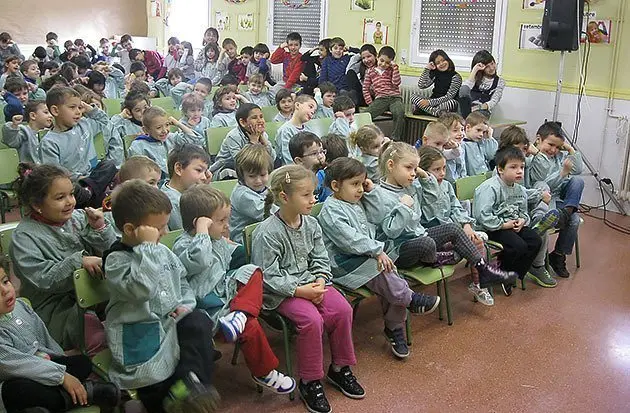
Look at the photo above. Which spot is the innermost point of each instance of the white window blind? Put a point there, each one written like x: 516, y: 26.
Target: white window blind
x: 308, y: 20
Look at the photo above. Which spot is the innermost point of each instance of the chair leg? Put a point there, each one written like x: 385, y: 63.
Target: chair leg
x: 577, y: 249
x: 449, y: 316
x: 287, y: 351
x: 440, y: 315
x: 2, y: 208
x: 408, y: 328
x: 523, y: 284
x: 237, y: 348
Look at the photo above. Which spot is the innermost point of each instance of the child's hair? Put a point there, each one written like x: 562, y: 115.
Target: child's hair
x: 82, y: 62
x: 219, y: 94
x: 215, y: 48
x: 34, y: 181
x: 300, y: 141
x: 436, y: 129
x: 252, y: 159
x: 132, y: 99
x: 135, y: 167
x: 242, y: 113
x: 248, y: 50
x: 140, y: 87
x: 227, y: 42
x: 439, y: 52
x: 133, y: 53
x: 151, y: 114
x: 476, y: 118
x: 261, y: 48
x: 95, y: 78
x: 229, y: 80
x: 295, y: 36
x: 40, y: 52
x: 206, y: 82
x: 175, y: 72
x: 200, y: 200
x: 550, y: 128
x: 90, y: 96
x: 49, y: 65
x: 364, y: 136
x: 342, y: 169
x: 508, y: 154
x: 31, y: 107
x: 337, y: 41
x: 213, y: 31
x: 79, y: 42
x: 342, y: 103
x: 103, y: 41
x: 69, y: 45
x: 51, y: 36
x: 284, y: 180
x: 485, y: 57
x: 125, y: 38
x: 11, y: 58
x: 428, y: 155
x: 335, y: 146
x: 26, y: 64
x: 15, y: 84
x: 511, y: 136
x: 172, y: 41
x: 59, y: 95
x: 191, y: 101
x: 4, y: 264
x: 50, y: 82
x: 257, y: 79
x: 134, y: 200
x: 188, y: 46
x: 137, y: 67
x: 394, y: 151
x: 282, y: 94
x: 448, y: 118
x: 387, y: 51
x: 5, y: 37
x: 68, y: 70
x: 184, y: 155
x: 327, y: 87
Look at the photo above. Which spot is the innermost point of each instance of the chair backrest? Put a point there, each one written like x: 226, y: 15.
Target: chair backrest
x: 272, y: 130
x: 6, y: 230
x: 90, y: 291
x: 169, y: 238
x: 215, y: 137
x: 269, y: 112
x: 362, y: 119
x: 248, y: 232
x: 8, y: 165
x: 127, y: 140
x: 226, y: 186
x: 320, y: 126
x: 316, y: 209
x: 465, y: 187
x: 99, y: 145
x: 112, y: 106
x: 168, y: 105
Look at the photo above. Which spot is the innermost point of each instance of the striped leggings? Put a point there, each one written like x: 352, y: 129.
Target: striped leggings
x: 448, y: 106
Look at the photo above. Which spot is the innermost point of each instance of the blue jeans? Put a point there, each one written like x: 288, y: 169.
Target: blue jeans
x: 571, y: 196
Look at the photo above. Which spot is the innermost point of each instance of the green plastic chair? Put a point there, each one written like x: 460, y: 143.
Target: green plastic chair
x: 6, y: 230
x: 215, y: 137
x: 438, y: 276
x: 269, y: 112
x: 272, y: 130
x: 227, y: 186
x: 465, y: 187
x: 169, y: 238
x: 99, y: 146
x: 362, y: 119
x: 127, y: 140
x: 8, y: 173
x: 168, y: 105
x: 320, y: 126
x: 112, y: 106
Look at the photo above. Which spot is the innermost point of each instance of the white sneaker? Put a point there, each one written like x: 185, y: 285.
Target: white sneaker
x: 276, y: 382
x: 232, y: 325
x: 481, y: 294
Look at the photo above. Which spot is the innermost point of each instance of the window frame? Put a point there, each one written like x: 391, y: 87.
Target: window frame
x: 323, y: 25
x: 462, y: 63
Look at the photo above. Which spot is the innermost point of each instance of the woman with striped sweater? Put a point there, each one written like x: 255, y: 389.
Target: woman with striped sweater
x: 440, y: 72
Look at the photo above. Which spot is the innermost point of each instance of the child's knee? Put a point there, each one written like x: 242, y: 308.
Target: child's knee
x: 312, y: 323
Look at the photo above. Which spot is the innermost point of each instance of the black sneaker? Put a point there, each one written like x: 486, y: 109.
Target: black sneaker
x: 190, y: 395
x: 102, y: 394
x: 398, y: 341
x: 345, y: 381
x: 446, y: 258
x: 507, y: 288
x: 312, y: 394
x: 558, y: 262
x: 423, y: 303
x: 490, y: 275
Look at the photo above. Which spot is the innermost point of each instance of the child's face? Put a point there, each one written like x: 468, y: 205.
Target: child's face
x: 173, y: 47
x: 138, y: 110
x: 384, y: 62
x: 159, y: 128
x: 140, y: 75
x: 258, y: 56
x: 98, y: 88
x: 13, y: 66
x: 457, y: 132
x: 305, y: 110
x: 53, y: 71
x: 323, y: 52
x: 229, y: 101
x: 491, y: 69
x: 337, y: 50
x: 368, y: 59
x: 175, y: 80
x: 255, y: 122
x: 68, y: 114
x: 194, y: 173
x: 210, y: 37
x: 220, y: 222
x: 437, y: 141
x: 256, y: 181
x: 512, y: 172
x: 7, y: 294
x: 294, y: 46
x: 403, y: 172
x: 230, y: 50
x: 550, y: 145
x: 4, y: 44
x: 127, y: 45
x: 374, y: 148
x: 22, y: 95
x: 329, y: 98
x: 151, y: 177
x: 211, y: 54
x: 441, y: 64
x: 140, y: 57
x: 245, y: 58
x: 287, y: 105
x: 41, y: 118
x: 477, y: 132
x: 59, y: 202
x: 51, y: 42
x: 255, y: 88
x: 349, y: 115
x: 32, y: 71
x: 302, y: 197
x: 194, y: 115
x: 314, y: 157
x: 105, y: 48
x: 349, y: 190
x: 438, y: 169
x: 202, y: 90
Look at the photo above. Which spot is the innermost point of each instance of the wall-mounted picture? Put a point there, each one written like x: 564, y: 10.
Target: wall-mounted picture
x: 531, y: 37
x: 597, y: 31
x: 221, y: 21
x: 533, y: 4
x: 362, y: 5
x: 246, y: 22
x: 375, y: 32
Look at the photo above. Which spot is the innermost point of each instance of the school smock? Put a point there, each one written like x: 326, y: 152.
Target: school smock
x: 114, y: 136
x: 234, y: 141
x: 201, y: 129
x: 496, y: 203
x: 322, y: 111
x: 23, y: 336
x: 289, y: 257
x: 45, y: 258
x: 114, y: 84
x: 212, y: 71
x: 478, y: 155
x: 283, y: 136
x: 157, y: 150
x: 208, y: 107
x: 248, y: 207
x: 440, y: 203
x: 341, y: 126
x: 24, y: 139
x: 210, y: 276
x: 281, y: 118
x: 146, y: 284
x: 262, y: 99
x: 74, y: 148
x: 175, y: 220
x: 548, y: 169
x: 371, y: 165
x: 351, y: 243
x: 223, y: 119
x: 456, y: 168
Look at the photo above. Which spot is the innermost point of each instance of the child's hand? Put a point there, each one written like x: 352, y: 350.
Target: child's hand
x: 317, y: 90
x: 340, y: 115
x: 179, y: 311
x: 532, y: 150
x: 470, y: 232
x: 406, y: 200
x: 489, y: 133
x: 95, y: 218
x: 421, y: 173
x: 31, y: 86
x: 451, y: 144
x: 93, y: 265
x: 310, y: 291
x: 208, y: 178
x: 303, y: 77
x: 509, y: 224
x: 368, y: 185
x: 173, y: 122
x: 75, y: 389
x: 546, y: 197
x: 423, y: 103
x: 202, y: 225
x: 567, y: 166
x: 85, y: 107
x: 567, y: 147
x: 519, y: 224
x: 431, y: 66
x: 145, y: 233
x: 284, y: 45
x: 322, y: 283
x: 478, y: 67
x: 17, y: 120
x: 126, y: 114
x: 385, y: 263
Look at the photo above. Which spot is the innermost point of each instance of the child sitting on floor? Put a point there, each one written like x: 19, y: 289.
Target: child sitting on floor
x: 25, y: 138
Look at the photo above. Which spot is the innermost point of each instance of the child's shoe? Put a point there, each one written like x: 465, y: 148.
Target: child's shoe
x: 232, y: 325
x: 507, y: 288
x: 489, y: 274
x: 102, y: 394
x: 276, y: 382
x: 541, y: 276
x: 398, y: 341
x: 558, y: 262
x: 312, y: 394
x: 481, y: 294
x: 189, y: 395
x: 548, y: 221
x: 346, y: 382
x: 446, y: 258
x: 423, y: 303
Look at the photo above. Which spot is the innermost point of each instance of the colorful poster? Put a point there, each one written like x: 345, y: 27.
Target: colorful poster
x: 531, y: 37
x: 246, y: 22
x: 221, y: 21
x: 375, y: 32
x: 533, y: 4
x: 362, y: 5
x: 597, y: 31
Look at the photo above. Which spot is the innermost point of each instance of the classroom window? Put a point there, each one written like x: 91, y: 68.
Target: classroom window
x: 461, y: 28
x: 188, y: 20
x: 309, y: 20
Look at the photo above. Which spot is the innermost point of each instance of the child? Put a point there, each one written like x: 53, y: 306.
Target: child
x: 253, y: 166
x: 325, y: 95
x: 211, y: 35
x: 224, y: 106
x: 114, y: 80
x: 306, y: 150
x: 238, y: 66
x: 192, y: 108
x: 171, y: 367
x: 202, y: 88
x: 173, y: 86
x: 187, y: 62
x: 439, y: 73
x: 229, y: 291
x: 359, y: 260
x: 227, y: 55
x: 369, y: 139
x: 479, y: 145
x: 174, y: 53
x: 34, y: 365
x: 259, y: 63
x: 313, y: 59
x: 558, y: 164
x: 8, y: 47
x: 288, y: 53
x: 297, y: 284
x: 483, y: 89
x: 384, y: 81
x: 18, y: 88
x: 52, y: 241
x: 11, y: 68
x: 334, y: 146
x: 500, y: 209
x: 395, y: 208
x: 140, y: 167
x: 50, y: 68
x: 344, y: 124
x: 334, y: 65
x: 209, y: 66
x: 437, y: 136
x: 127, y: 122
x: 25, y: 138
x: 158, y: 140
x: 256, y: 94
x: 52, y: 48
x: 456, y: 166
x: 305, y: 107
x: 31, y: 73
x: 187, y: 165
x: 70, y: 144
x: 249, y: 130
x: 285, y: 102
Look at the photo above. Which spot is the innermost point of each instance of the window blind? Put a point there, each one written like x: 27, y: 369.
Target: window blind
x: 305, y: 20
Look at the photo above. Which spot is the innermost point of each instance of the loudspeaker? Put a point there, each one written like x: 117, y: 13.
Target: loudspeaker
x: 562, y: 24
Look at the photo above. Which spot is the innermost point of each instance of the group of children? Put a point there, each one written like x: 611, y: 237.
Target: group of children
x: 387, y: 205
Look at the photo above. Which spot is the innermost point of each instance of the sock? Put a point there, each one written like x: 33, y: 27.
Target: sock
x: 336, y: 368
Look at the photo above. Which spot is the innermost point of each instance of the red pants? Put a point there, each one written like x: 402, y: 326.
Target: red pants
x: 259, y: 357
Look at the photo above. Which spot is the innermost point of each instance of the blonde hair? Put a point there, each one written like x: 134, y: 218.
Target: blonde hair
x: 253, y: 158
x: 152, y: 113
x: 136, y: 166
x: 448, y: 118
x: 364, y: 136
x: 200, y: 200
x: 475, y: 118
x: 191, y: 101
x: 436, y: 130
x: 256, y: 78
x: 394, y: 151
x: 284, y: 179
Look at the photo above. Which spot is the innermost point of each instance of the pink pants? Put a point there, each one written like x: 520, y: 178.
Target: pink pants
x: 95, y: 340
x: 334, y: 315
